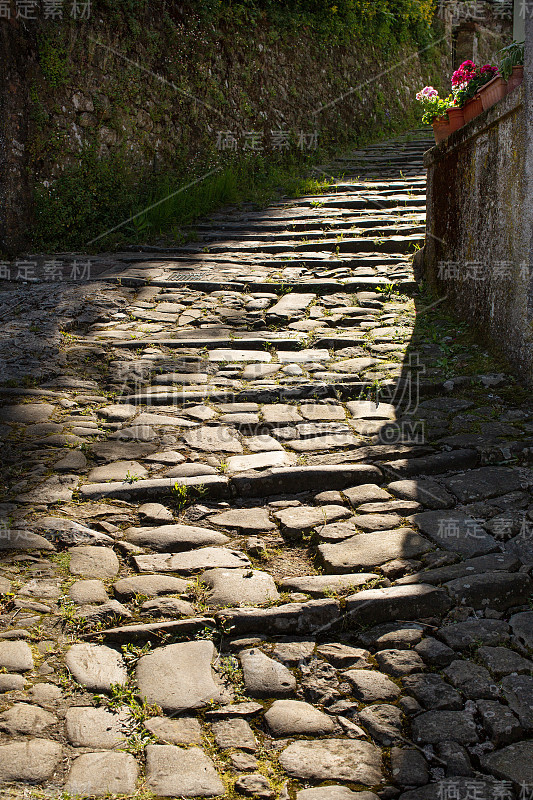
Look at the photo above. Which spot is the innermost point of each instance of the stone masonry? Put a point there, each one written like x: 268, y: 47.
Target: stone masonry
x: 259, y: 539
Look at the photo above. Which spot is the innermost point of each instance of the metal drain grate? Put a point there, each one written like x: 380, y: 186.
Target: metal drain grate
x: 189, y: 275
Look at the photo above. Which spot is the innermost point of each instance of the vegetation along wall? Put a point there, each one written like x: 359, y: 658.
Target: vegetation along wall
x: 103, y: 114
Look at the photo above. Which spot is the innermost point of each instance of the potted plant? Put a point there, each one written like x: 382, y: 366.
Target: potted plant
x: 467, y: 83
x: 512, y: 64
x: 473, y: 108
x: 435, y: 112
x: 494, y: 90
x: 456, y: 116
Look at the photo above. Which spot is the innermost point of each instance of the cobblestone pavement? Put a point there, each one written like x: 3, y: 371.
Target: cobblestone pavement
x: 266, y: 523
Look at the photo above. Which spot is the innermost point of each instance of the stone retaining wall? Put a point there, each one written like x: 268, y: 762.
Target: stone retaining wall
x: 479, y: 227
x: 151, y: 94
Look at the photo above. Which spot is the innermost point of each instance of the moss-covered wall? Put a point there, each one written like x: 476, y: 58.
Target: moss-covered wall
x: 108, y: 106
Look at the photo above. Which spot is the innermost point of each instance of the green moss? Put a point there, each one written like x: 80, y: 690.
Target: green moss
x: 53, y: 57
x: 386, y: 22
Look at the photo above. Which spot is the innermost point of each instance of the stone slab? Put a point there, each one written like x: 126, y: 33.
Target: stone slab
x: 234, y: 587
x: 117, y: 471
x: 33, y: 760
x: 433, y: 727
x: 298, y: 618
x: 249, y: 520
x: 179, y: 677
x: 318, y: 585
x: 96, y: 667
x: 93, y: 562
x: 264, y: 676
x: 236, y: 732
x: 94, y: 727
x: 193, y: 560
x: 181, y: 730
x: 455, y: 531
x: 369, y: 550
x: 181, y: 772
x: 292, y: 480
x: 100, y: 774
x: 369, y: 409
x: 480, y: 484
x: 232, y: 356
x: 512, y: 763
x: 334, y: 793
x: 149, y: 585
x: 372, y: 606
x: 333, y: 759
x: 174, y: 538
x: 213, y: 439
x: 24, y: 718
x: 522, y: 627
x: 297, y: 520
x: 16, y: 656
x: 498, y: 590
x: 276, y: 458
x: 295, y: 718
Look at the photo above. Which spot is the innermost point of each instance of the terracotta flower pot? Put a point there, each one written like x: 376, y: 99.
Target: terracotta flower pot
x: 456, y: 117
x: 515, y: 79
x: 473, y: 108
x: 494, y: 90
x: 441, y: 129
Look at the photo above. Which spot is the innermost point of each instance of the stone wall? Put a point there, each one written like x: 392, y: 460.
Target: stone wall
x: 477, y: 30
x: 479, y: 228
x: 479, y: 43
x: 150, y: 92
x: 15, y: 192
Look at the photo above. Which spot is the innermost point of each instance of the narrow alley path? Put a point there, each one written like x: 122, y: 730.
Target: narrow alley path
x: 267, y: 523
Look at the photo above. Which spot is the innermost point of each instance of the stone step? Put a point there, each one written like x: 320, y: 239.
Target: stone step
x: 413, y: 185
x: 313, y: 233
x: 388, y: 166
x: 316, y: 617
x: 304, y: 215
x: 370, y: 201
x: 375, y: 606
x: 293, y: 618
x: 390, y: 244
x: 254, y: 344
x: 278, y: 480
x: 412, y: 159
x: 367, y: 173
x: 279, y: 286
x: 291, y: 480
x: 346, y: 388
x: 407, y: 152
x: 432, y: 465
x: 365, y: 260
x: 153, y: 631
x: 314, y: 226
x: 213, y: 486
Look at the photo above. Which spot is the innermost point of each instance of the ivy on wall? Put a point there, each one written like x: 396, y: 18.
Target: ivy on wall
x: 340, y: 20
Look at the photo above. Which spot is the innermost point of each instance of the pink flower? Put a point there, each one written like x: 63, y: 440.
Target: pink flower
x: 462, y: 76
x: 427, y: 93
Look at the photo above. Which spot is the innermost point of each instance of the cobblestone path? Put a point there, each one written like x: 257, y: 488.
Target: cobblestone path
x: 267, y: 519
